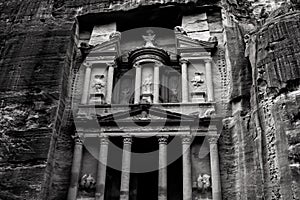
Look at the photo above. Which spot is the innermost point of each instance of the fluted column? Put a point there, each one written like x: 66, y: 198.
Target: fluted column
x: 162, y: 168
x: 76, y: 165
x: 215, y: 170
x: 86, y: 84
x: 138, y: 81
x: 209, y: 80
x: 101, y: 172
x: 184, y: 81
x: 187, y: 168
x: 110, y: 81
x: 156, y: 83
x: 126, y: 160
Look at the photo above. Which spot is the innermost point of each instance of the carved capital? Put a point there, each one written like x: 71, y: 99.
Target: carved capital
x: 104, y: 140
x: 213, y: 140
x: 163, y: 139
x: 111, y: 64
x: 78, y: 140
x: 207, y: 60
x: 87, y: 65
x: 127, y: 140
x: 158, y: 64
x: 136, y: 65
x: 187, y: 139
x: 184, y: 61
x: 115, y: 34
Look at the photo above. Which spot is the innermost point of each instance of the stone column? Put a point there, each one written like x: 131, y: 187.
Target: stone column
x: 101, y: 172
x: 110, y: 81
x: 162, y: 167
x: 156, y: 83
x: 138, y: 81
x: 76, y: 165
x: 215, y: 170
x: 125, y: 177
x: 209, y: 80
x: 187, y: 168
x: 184, y: 81
x: 86, y: 86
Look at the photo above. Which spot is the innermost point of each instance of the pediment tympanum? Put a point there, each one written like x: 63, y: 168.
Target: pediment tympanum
x: 146, y: 113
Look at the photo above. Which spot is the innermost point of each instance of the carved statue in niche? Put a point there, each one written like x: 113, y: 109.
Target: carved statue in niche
x: 203, y: 186
x: 173, y: 88
x: 99, y: 84
x: 197, y: 81
x: 149, y: 38
x: 147, y: 84
x: 87, y: 183
x: 125, y: 96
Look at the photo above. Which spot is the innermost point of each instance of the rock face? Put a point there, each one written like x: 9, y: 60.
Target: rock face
x: 260, y: 142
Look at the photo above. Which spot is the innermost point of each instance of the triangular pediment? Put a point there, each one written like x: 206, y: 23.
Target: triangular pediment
x: 108, y: 48
x: 146, y: 113
x: 187, y: 44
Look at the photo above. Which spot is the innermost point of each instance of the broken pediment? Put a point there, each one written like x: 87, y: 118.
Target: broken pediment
x: 108, y: 48
x: 187, y: 44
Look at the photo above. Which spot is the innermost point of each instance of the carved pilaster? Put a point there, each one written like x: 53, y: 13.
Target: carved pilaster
x: 209, y: 80
x: 87, y: 78
x: 186, y: 167
x: 215, y: 170
x: 162, y: 165
x: 138, y: 82
x: 184, y: 80
x: 126, y: 162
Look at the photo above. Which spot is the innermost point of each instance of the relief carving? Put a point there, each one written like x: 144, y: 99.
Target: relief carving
x: 87, y: 183
x: 149, y: 38
x: 98, y: 84
x: 197, y: 81
x: 147, y: 84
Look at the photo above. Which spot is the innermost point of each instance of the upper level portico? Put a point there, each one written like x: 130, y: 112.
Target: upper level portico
x: 155, y: 71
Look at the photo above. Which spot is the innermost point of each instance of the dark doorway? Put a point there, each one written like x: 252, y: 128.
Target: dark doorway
x: 144, y: 184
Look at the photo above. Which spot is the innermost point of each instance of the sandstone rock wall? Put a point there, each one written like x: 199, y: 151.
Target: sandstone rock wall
x: 261, y: 136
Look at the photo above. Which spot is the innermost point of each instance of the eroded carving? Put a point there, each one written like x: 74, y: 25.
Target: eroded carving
x: 147, y: 84
x: 149, y: 38
x: 87, y: 183
x: 99, y: 84
x: 197, y: 81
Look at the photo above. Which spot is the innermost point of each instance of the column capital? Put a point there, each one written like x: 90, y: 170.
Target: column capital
x: 207, y: 60
x: 136, y: 65
x: 111, y: 64
x: 78, y: 140
x: 88, y: 64
x: 184, y: 61
x: 127, y: 140
x: 213, y: 139
x: 104, y: 140
x: 158, y: 64
x: 187, y: 139
x: 162, y: 139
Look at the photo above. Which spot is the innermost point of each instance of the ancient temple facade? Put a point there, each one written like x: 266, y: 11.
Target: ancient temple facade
x: 149, y: 100
x: 147, y: 96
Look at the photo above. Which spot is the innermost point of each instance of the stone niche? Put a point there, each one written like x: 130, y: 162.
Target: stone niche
x: 201, y: 173
x: 197, y: 82
x: 98, y: 83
